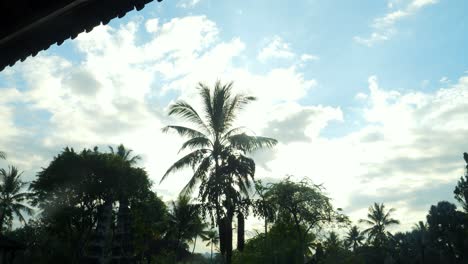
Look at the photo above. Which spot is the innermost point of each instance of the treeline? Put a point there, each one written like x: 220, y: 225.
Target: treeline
x: 97, y: 206
x: 300, y: 223
x: 293, y: 230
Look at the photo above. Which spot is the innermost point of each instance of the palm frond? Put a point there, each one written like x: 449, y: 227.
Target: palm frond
x: 184, y: 131
x: 3, y: 155
x: 207, y: 103
x: 221, y: 96
x: 190, y: 159
x: 199, y: 174
x: 125, y: 154
x: 387, y: 215
x: 366, y: 221
x: 187, y: 112
x: 235, y: 105
x: 233, y: 131
x: 391, y: 222
x: 196, y: 142
x: 248, y: 143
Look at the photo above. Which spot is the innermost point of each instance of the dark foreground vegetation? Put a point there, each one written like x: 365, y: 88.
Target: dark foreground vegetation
x: 96, y: 206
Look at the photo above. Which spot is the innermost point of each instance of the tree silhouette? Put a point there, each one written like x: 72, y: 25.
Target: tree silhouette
x: 125, y: 154
x: 75, y: 193
x: 447, y: 230
x: 379, y: 220
x: 185, y: 221
x: 12, y: 198
x: 212, y: 239
x: 263, y: 206
x: 305, y: 206
x: 217, y: 153
x: 3, y: 155
x: 420, y: 233
x: 461, y: 190
x: 198, y: 231
x: 354, y: 238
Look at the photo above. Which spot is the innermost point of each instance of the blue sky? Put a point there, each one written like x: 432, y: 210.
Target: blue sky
x: 369, y: 99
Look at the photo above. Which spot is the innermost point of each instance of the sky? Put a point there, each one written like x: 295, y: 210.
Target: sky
x: 368, y: 99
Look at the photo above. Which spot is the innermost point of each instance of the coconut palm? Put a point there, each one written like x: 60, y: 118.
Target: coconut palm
x: 379, y: 220
x: 198, y: 231
x: 11, y: 196
x: 185, y: 220
x: 213, y: 239
x: 125, y: 154
x: 354, y: 238
x: 218, y: 153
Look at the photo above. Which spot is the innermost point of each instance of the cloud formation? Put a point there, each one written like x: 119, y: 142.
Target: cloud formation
x: 384, y: 28
x: 275, y: 49
x: 119, y: 90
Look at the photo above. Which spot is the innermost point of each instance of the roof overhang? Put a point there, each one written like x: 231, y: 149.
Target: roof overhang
x: 29, y: 26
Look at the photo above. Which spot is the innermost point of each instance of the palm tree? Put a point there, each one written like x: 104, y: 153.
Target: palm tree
x: 213, y: 239
x: 3, y: 155
x: 217, y: 153
x: 185, y: 220
x: 123, y: 233
x: 11, y: 196
x: 378, y: 220
x: 354, y: 238
x: 125, y: 154
x: 420, y: 231
x: 332, y: 243
x: 198, y: 231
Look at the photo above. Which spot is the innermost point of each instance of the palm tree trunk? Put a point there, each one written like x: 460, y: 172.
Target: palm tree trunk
x: 266, y: 240
x: 194, y: 244
x: 211, y: 256
x: 228, y: 238
x: 222, y: 235
x: 2, y: 219
x: 422, y: 255
x: 240, y: 231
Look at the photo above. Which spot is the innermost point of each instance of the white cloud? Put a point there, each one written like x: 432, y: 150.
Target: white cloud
x: 416, y: 4
x: 361, y: 96
x: 152, y: 25
x: 444, y: 80
x: 309, y: 57
x: 374, y: 38
x: 384, y: 27
x: 188, y: 3
x: 275, y: 49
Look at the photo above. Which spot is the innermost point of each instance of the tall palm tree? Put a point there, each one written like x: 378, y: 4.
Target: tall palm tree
x: 379, y: 220
x: 354, y: 238
x: 218, y: 153
x: 213, y: 239
x: 12, y: 197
